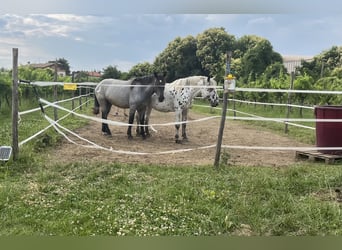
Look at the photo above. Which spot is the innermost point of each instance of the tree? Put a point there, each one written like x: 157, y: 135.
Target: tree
x: 141, y: 69
x: 329, y: 83
x: 337, y: 72
x: 111, y: 72
x: 245, y: 43
x: 257, y: 58
x: 324, y: 64
x: 187, y: 63
x: 212, y: 46
x: 275, y: 70
x: 179, y: 59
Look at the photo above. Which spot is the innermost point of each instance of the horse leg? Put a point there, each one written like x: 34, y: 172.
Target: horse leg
x: 147, y: 120
x: 142, y: 123
x: 130, y: 122
x: 177, y: 126
x: 137, y: 130
x: 105, y: 112
x: 184, y: 119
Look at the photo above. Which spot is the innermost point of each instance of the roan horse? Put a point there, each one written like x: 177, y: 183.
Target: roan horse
x: 134, y: 94
x: 178, y: 98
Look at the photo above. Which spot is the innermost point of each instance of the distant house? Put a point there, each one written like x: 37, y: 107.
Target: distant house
x: 94, y: 74
x: 292, y: 62
x: 51, y: 65
x: 85, y: 75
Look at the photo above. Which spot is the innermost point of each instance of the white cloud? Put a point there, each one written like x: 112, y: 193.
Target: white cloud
x: 78, y: 19
x: 49, y: 25
x: 261, y: 20
x: 221, y: 18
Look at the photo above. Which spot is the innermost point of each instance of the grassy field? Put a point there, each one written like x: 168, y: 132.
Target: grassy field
x: 38, y: 198
x: 44, y: 198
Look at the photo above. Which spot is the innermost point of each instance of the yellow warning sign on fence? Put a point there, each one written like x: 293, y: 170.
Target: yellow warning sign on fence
x: 70, y: 86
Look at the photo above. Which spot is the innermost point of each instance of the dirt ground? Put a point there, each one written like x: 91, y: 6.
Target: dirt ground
x: 200, y: 134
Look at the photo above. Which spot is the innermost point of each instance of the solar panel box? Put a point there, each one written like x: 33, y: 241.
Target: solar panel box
x: 5, y: 153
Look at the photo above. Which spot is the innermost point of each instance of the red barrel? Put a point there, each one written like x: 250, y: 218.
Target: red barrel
x: 329, y: 134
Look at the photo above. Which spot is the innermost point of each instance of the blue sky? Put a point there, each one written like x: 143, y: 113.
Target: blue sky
x: 92, y: 35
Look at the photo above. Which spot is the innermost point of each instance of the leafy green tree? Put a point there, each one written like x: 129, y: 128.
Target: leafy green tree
x: 186, y: 60
x: 111, y: 72
x: 179, y: 59
x: 212, y: 46
x: 245, y: 43
x: 258, y: 58
x: 64, y: 64
x: 331, y: 59
x: 275, y: 70
x: 165, y: 61
x: 329, y: 83
x: 324, y: 64
x: 141, y: 69
x: 337, y: 72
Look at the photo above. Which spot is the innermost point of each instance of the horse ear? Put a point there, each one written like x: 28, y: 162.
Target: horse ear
x: 208, y: 80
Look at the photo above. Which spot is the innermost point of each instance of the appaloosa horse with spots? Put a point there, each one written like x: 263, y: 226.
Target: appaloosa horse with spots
x: 179, y: 96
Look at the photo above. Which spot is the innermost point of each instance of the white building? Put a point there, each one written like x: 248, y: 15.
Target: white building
x: 291, y: 62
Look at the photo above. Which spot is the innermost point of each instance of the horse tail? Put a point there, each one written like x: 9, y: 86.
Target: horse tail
x: 96, y: 108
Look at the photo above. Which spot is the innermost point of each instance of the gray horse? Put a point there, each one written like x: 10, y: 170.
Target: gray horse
x: 178, y: 98
x: 134, y: 94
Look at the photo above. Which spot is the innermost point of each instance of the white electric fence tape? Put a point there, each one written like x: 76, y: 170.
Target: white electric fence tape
x: 252, y: 117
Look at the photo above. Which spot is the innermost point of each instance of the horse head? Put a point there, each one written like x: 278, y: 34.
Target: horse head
x: 160, y: 85
x: 210, y: 91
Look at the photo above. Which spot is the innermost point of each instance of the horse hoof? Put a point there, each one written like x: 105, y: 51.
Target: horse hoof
x: 178, y: 141
x: 130, y: 137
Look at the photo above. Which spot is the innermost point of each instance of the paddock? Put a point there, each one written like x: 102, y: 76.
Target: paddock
x: 191, y: 153
x: 242, y: 144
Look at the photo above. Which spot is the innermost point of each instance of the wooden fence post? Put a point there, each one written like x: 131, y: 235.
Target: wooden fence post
x: 223, y: 117
x: 86, y: 97
x: 55, y: 93
x: 80, y: 95
x: 15, y: 105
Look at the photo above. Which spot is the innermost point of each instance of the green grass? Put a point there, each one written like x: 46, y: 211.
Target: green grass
x: 31, y: 123
x: 44, y: 198
x: 113, y: 199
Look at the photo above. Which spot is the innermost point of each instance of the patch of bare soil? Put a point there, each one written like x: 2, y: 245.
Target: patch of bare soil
x: 199, y: 133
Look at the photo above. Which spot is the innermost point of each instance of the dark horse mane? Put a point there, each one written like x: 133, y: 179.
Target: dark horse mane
x: 143, y: 80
